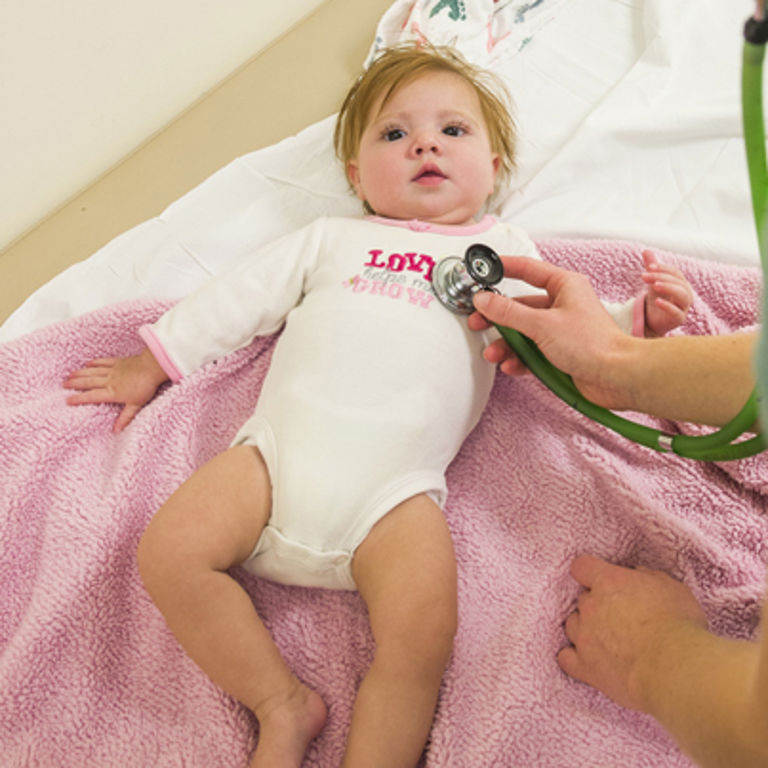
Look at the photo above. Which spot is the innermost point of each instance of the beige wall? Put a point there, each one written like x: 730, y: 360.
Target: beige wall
x: 85, y: 82
x: 296, y: 81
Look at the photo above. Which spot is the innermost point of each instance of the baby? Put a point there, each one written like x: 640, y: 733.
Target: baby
x: 338, y: 478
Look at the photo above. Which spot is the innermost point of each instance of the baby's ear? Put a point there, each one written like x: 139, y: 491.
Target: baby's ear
x: 496, y: 163
x: 353, y: 174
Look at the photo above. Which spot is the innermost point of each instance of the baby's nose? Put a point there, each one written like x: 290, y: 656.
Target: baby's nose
x: 426, y: 143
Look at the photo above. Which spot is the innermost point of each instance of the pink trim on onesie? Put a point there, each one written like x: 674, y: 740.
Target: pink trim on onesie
x: 162, y: 357
x: 441, y: 229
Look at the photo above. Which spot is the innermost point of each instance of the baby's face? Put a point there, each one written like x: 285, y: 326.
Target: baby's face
x: 425, y: 154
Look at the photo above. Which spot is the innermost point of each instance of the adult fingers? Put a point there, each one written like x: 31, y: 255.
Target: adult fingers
x: 571, y: 627
x: 568, y: 659
x: 514, y: 366
x: 586, y: 568
x: 477, y: 322
x: 532, y: 271
x: 497, y: 351
x: 503, y: 310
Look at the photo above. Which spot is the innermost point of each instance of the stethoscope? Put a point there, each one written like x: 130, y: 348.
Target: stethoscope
x: 455, y: 281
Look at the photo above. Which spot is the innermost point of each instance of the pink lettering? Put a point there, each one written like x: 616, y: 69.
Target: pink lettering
x: 423, y: 259
x: 389, y: 290
x: 378, y: 288
x: 398, y: 262
x: 373, y: 263
x: 419, y: 297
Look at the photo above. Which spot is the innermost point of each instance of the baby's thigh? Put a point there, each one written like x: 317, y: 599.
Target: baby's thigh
x: 405, y: 570
x: 215, y: 518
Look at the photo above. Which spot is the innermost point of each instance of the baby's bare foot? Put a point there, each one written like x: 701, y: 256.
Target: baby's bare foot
x: 287, y: 724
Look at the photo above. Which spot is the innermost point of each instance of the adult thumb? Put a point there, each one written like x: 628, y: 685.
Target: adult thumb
x: 501, y: 310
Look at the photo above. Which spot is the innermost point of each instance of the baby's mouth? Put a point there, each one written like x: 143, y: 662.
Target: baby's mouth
x: 429, y: 174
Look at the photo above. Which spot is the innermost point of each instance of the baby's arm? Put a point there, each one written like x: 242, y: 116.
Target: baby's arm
x: 132, y: 381
x: 253, y: 296
x: 668, y: 299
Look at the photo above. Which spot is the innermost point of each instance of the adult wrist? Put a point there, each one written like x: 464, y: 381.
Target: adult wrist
x: 659, y: 678
x: 618, y: 362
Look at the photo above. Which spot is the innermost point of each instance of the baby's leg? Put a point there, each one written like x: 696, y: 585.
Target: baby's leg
x: 212, y: 523
x: 406, y: 572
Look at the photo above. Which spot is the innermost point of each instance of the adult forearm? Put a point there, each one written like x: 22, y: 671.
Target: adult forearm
x: 687, y: 378
x: 702, y: 689
x: 704, y: 379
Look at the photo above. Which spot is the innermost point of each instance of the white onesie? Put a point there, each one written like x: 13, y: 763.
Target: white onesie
x: 373, y: 384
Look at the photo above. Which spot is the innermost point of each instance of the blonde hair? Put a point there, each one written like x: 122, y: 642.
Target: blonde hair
x: 399, y: 65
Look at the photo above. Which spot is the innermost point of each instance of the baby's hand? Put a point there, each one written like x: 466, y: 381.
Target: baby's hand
x: 132, y: 381
x: 668, y: 299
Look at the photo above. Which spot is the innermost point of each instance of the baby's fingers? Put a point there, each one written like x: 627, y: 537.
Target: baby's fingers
x: 656, y: 279
x: 125, y: 417
x: 671, y: 317
x: 85, y: 379
x: 658, y: 269
x: 103, y: 362
x: 91, y: 397
x: 662, y: 278
x: 678, y: 294
x: 99, y: 396
x: 100, y: 367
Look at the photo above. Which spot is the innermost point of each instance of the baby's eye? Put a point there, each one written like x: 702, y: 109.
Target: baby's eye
x: 393, y: 134
x: 454, y: 130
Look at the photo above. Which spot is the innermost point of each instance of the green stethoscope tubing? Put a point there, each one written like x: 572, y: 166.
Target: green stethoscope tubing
x: 719, y: 445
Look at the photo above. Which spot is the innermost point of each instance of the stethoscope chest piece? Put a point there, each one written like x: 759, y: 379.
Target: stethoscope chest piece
x: 455, y: 281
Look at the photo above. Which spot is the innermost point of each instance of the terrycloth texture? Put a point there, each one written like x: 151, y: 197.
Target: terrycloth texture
x: 91, y: 678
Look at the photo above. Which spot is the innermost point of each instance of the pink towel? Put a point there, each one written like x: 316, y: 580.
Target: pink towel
x: 91, y: 677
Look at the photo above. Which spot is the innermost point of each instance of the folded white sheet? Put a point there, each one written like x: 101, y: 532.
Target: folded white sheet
x: 629, y: 118
x: 635, y: 131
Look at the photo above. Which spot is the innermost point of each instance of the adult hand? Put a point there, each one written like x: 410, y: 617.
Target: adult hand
x: 569, y: 325
x: 627, y: 623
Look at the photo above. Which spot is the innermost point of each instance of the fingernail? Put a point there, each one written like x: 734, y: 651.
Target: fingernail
x: 482, y: 299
